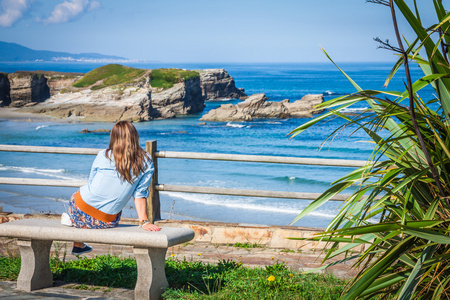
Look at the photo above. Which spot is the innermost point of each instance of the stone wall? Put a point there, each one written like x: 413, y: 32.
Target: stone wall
x: 270, y: 236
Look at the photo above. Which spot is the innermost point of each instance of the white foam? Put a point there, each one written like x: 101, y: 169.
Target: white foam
x: 230, y: 124
x: 41, y: 126
x: 355, y: 110
x: 248, y: 205
x: 57, y: 173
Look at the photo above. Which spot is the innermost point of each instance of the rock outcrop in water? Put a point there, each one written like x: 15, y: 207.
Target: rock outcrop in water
x: 54, y: 94
x: 257, y: 106
x: 217, y: 84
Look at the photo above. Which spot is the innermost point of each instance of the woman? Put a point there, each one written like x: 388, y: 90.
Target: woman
x: 122, y: 171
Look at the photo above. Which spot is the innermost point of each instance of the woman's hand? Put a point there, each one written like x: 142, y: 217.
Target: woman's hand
x: 151, y: 227
x: 141, y: 209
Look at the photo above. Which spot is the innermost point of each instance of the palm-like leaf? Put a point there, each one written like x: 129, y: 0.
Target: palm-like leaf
x: 407, y: 252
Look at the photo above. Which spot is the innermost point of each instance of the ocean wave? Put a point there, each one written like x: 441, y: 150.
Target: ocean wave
x: 21, y: 194
x: 355, y: 109
x: 57, y: 173
x: 331, y: 93
x: 41, y: 126
x: 174, y: 132
x: 293, y: 179
x: 234, y: 125
x: 269, y: 122
x: 245, y: 204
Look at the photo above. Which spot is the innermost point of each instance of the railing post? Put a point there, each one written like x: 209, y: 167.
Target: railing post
x: 153, y: 204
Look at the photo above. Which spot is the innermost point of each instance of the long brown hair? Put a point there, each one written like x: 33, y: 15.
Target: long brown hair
x: 129, y: 157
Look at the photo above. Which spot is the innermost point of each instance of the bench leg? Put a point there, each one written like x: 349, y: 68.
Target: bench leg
x: 35, y: 267
x: 151, y: 279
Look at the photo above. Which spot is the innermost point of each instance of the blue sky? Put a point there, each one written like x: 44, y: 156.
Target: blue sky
x: 205, y: 30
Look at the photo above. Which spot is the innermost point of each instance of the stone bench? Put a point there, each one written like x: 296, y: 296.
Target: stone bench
x: 35, y: 237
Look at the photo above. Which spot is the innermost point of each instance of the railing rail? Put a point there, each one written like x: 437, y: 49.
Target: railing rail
x: 198, y: 155
x: 153, y: 202
x: 177, y: 188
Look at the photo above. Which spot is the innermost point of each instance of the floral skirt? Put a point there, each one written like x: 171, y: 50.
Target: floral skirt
x: 80, y: 219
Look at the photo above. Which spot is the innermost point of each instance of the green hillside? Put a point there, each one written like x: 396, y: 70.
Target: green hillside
x: 166, y: 78
x: 114, y: 74
x: 109, y: 75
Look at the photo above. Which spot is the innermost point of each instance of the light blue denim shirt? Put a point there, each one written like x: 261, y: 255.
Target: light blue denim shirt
x: 107, y: 192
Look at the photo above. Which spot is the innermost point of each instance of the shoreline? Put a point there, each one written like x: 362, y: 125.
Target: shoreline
x: 14, y: 114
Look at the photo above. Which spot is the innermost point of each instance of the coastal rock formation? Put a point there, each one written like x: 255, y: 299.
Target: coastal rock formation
x: 217, y: 84
x: 26, y: 88
x: 134, y: 102
x: 182, y: 99
x: 62, y: 82
x: 5, y: 90
x: 257, y: 106
x: 92, y: 97
x: 106, y: 105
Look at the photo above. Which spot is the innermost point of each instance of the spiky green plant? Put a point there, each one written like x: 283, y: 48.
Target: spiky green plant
x: 406, y: 184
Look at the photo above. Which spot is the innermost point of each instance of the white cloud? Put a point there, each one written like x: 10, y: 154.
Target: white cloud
x: 12, y: 11
x: 70, y: 10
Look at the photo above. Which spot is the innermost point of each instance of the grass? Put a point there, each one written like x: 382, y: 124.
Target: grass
x: 166, y: 78
x: 114, y: 74
x: 247, y: 245
x: 109, y: 75
x: 192, y: 279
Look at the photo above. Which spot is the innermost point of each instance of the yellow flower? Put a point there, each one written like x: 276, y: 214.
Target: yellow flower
x: 199, y: 254
x: 172, y: 255
x: 272, y: 258
x: 271, y: 278
x: 290, y: 274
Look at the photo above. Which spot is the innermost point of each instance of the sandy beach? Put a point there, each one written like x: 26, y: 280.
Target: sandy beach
x: 16, y: 115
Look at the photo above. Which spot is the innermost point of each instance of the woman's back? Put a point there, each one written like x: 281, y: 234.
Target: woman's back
x: 107, y: 191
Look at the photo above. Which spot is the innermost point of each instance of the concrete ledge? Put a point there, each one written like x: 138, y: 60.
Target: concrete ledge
x: 221, y: 233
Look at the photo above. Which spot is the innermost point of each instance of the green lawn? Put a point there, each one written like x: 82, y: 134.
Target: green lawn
x: 192, y: 280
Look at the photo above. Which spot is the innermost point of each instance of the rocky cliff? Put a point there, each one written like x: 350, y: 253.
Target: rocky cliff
x: 257, y: 106
x: 110, y: 104
x: 182, y: 99
x: 98, y: 97
x: 217, y: 84
x: 5, y: 90
x: 28, y: 88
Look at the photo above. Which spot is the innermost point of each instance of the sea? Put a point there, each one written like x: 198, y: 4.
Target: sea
x: 186, y: 133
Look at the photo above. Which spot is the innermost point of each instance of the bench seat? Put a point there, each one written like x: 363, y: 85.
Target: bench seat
x: 35, y: 237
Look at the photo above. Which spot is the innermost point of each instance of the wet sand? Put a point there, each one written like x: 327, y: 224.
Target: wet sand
x: 15, y: 114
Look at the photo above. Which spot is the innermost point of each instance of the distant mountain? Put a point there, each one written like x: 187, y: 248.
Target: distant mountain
x: 11, y: 52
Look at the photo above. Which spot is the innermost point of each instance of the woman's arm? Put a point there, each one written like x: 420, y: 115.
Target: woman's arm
x: 141, y: 209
